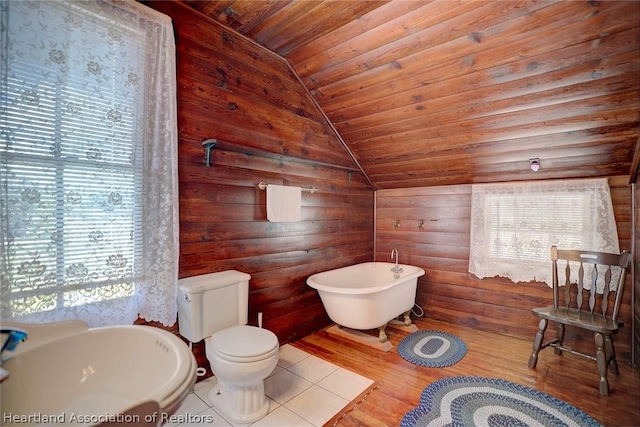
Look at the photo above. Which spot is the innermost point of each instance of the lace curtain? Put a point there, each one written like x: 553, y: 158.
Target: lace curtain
x: 89, y: 188
x: 514, y: 225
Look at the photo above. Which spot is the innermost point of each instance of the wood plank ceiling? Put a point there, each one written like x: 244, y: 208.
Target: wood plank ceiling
x: 455, y: 92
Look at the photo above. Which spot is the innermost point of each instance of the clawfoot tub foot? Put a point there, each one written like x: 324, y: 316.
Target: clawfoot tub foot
x: 382, y: 337
x: 407, y: 318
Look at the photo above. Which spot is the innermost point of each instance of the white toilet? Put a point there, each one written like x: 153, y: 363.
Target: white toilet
x: 214, y: 307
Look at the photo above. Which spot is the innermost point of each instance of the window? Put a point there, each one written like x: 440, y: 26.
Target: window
x: 75, y: 162
x: 514, y: 225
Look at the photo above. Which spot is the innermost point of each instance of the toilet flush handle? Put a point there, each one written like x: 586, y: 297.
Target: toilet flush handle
x: 186, y: 298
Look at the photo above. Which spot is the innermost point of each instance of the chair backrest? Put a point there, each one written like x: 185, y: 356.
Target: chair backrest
x: 603, y: 273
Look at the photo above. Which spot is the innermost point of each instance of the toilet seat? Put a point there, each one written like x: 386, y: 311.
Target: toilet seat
x: 244, y: 344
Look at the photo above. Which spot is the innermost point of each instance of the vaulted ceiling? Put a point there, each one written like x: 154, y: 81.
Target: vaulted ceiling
x: 450, y: 92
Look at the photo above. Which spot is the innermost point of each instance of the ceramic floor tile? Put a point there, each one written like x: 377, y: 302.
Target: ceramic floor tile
x: 345, y: 383
x: 192, y: 405
x: 273, y: 406
x: 209, y: 418
x: 290, y: 355
x: 277, y: 369
x: 303, y: 390
x: 284, y: 386
x: 317, y: 405
x: 282, y: 417
x: 313, y: 368
x: 202, y: 388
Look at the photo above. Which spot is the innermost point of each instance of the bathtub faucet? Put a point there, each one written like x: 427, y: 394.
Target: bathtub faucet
x: 396, y: 270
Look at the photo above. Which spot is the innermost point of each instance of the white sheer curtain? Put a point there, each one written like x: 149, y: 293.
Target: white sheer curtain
x: 89, y: 195
x: 513, y: 225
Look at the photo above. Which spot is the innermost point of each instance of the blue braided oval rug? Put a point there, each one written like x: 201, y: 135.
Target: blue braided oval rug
x: 477, y: 401
x: 433, y: 349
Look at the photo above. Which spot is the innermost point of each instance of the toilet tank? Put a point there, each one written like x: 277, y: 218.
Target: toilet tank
x: 211, y: 302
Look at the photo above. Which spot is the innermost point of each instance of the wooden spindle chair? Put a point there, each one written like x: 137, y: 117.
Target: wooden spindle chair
x: 592, y: 311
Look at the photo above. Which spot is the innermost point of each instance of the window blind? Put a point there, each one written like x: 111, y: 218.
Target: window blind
x: 71, y: 168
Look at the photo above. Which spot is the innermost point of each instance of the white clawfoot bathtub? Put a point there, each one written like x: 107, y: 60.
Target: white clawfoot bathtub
x: 367, y: 295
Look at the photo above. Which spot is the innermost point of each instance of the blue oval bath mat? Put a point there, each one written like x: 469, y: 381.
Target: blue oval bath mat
x: 433, y: 349
x: 491, y: 402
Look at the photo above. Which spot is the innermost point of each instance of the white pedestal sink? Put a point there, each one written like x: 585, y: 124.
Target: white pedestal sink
x: 90, y: 376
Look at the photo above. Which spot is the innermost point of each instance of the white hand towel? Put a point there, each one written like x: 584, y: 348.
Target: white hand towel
x: 283, y: 203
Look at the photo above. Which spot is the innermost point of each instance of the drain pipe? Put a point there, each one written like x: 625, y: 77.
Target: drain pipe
x: 200, y: 371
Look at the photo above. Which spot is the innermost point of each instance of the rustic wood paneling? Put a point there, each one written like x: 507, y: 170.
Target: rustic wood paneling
x: 635, y: 292
x: 448, y: 291
x: 440, y: 92
x: 270, y: 130
x: 428, y: 97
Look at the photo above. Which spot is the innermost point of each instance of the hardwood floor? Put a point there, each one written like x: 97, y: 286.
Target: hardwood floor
x: 399, y: 383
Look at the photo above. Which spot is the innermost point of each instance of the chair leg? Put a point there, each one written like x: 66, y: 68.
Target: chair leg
x: 611, y: 355
x: 601, y: 360
x: 537, y: 343
x: 559, y: 338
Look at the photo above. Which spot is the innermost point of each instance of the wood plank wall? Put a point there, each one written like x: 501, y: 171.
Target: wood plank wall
x: 448, y: 291
x: 268, y: 130
x: 636, y: 276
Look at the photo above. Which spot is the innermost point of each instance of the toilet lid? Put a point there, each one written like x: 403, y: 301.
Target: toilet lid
x: 244, y: 341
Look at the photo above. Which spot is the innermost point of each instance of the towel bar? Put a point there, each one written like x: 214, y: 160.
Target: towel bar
x: 263, y: 186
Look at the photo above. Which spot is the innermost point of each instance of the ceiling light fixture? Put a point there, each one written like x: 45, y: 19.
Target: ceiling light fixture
x: 534, y: 164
